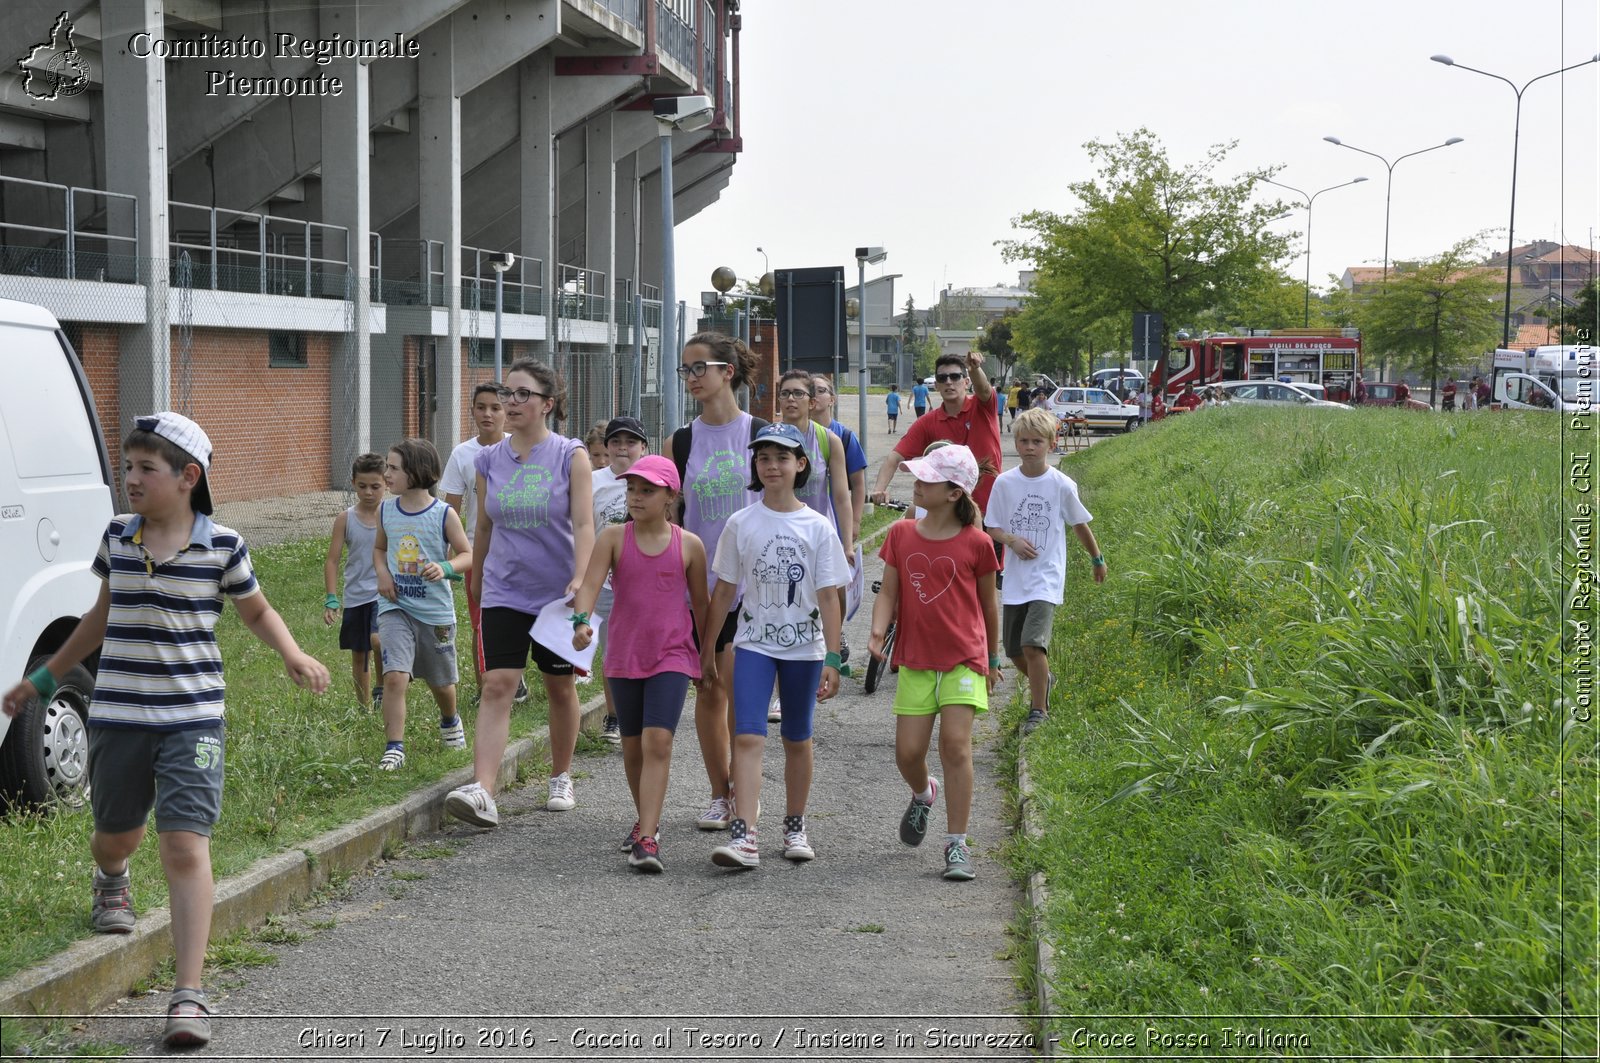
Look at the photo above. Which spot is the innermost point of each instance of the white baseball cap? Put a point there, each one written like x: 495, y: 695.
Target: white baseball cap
x: 177, y: 429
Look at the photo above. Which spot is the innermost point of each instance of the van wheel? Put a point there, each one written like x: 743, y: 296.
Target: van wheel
x: 1130, y: 424
x: 45, y: 759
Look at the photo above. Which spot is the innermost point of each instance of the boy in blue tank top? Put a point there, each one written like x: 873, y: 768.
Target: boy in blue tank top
x: 417, y: 611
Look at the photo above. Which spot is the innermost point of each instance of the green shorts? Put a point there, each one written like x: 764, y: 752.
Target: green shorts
x: 922, y: 692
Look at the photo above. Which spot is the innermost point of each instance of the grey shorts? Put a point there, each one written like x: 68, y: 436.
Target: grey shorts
x: 178, y: 773
x: 602, y: 605
x: 424, y: 651
x: 1027, y: 624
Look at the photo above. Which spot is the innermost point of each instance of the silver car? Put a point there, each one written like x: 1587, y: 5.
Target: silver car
x: 1273, y: 391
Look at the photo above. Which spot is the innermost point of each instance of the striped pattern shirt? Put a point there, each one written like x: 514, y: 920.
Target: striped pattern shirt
x: 160, y: 667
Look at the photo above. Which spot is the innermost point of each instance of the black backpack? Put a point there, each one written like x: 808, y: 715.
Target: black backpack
x: 683, y: 440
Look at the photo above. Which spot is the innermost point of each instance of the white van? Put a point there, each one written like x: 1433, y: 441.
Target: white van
x: 1556, y: 377
x: 55, y: 502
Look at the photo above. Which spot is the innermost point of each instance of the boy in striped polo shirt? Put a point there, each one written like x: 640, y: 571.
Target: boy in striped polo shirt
x: 155, y: 722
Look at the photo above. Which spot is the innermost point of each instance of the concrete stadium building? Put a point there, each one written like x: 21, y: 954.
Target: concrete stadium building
x: 280, y: 217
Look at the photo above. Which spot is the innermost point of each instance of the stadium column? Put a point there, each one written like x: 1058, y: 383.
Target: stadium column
x: 439, y: 209
x: 346, y: 202
x: 599, y: 253
x: 136, y: 163
x: 536, y: 88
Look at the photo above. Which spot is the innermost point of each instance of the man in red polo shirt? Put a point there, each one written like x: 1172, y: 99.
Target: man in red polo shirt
x: 964, y: 417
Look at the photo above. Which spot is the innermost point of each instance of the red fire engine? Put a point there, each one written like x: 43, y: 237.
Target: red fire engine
x: 1327, y: 357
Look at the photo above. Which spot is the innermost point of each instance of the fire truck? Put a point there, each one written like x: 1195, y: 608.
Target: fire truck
x: 1328, y: 357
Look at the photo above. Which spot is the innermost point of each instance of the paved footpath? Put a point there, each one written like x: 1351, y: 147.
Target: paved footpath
x: 536, y: 940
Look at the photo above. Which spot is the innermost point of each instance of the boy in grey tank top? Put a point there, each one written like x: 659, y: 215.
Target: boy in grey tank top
x: 355, y: 529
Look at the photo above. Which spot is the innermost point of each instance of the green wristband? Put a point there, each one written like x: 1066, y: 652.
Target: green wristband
x: 832, y: 661
x: 331, y: 602
x: 577, y: 619
x: 994, y: 660
x: 43, y: 682
x: 449, y: 571
x: 1098, y: 560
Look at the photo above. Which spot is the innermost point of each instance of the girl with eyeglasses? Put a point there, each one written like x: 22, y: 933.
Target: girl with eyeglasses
x: 712, y: 456
x: 534, y: 537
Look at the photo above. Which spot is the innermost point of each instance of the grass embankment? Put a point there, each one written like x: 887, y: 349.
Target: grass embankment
x: 297, y: 765
x: 1309, y: 754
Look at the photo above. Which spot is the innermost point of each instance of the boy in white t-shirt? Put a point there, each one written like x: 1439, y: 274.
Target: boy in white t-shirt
x: 1028, y: 512
x: 625, y: 443
x: 460, y: 486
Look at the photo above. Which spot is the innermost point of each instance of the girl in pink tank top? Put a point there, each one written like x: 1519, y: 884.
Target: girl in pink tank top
x: 658, y: 577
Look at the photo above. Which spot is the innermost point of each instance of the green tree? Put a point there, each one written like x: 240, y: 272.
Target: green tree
x: 927, y: 353
x: 1446, y: 303
x: 909, y: 327
x: 995, y: 341
x: 1583, y: 320
x: 1150, y: 236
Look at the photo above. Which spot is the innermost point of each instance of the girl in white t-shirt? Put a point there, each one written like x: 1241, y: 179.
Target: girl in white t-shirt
x: 786, y: 630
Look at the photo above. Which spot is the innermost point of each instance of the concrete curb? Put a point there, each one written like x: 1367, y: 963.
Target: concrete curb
x: 1038, y: 901
x: 91, y: 974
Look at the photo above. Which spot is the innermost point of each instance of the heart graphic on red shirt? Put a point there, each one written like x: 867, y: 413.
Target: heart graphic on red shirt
x: 925, y: 572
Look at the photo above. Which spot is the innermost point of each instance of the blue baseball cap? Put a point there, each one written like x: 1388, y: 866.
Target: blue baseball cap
x: 784, y: 435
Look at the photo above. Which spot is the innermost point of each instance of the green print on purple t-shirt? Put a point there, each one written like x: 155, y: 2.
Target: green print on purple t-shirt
x: 525, y: 501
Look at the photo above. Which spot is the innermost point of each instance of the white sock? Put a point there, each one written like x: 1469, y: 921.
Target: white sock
x: 926, y: 796
x: 951, y: 839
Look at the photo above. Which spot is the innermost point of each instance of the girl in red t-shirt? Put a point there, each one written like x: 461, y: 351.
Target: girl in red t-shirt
x: 939, y: 577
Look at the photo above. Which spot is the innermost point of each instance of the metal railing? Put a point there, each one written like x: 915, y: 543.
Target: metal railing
x: 67, y: 250
x: 674, y: 33
x: 581, y: 295
x: 630, y: 11
x: 709, y: 43
x: 248, y: 251
x: 522, y: 288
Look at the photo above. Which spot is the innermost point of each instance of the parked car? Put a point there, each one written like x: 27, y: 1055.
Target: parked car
x: 55, y: 503
x: 1097, y: 407
x: 1383, y: 394
x: 1132, y: 379
x: 1252, y: 391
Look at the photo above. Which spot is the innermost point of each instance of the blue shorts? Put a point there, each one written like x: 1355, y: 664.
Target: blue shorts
x: 753, y: 676
x: 653, y: 702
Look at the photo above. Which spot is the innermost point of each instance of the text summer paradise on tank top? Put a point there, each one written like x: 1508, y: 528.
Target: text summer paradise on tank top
x: 656, y: 629
x: 716, y: 480
x: 529, y: 501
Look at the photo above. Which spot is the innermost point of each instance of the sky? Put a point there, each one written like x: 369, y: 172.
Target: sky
x: 926, y: 126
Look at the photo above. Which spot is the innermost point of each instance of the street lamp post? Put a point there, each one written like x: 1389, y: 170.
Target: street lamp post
x: 500, y: 263
x: 863, y: 256
x: 1516, y: 134
x: 1389, y: 187
x: 1310, y: 199
x: 672, y: 113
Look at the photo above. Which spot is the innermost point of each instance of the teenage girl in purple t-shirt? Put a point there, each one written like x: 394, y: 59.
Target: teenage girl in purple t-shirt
x: 535, y: 533
x: 716, y: 486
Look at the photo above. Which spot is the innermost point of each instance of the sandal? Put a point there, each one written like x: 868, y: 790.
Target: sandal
x: 188, y: 1019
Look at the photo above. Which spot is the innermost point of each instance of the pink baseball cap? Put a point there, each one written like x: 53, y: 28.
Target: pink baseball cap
x: 953, y: 464
x: 656, y: 469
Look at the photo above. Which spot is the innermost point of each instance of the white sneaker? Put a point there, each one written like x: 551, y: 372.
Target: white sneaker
x: 716, y: 816
x: 797, y: 847
x: 775, y: 711
x: 472, y: 804
x: 561, y: 799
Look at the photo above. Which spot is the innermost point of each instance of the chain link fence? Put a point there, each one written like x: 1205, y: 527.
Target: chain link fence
x: 274, y: 378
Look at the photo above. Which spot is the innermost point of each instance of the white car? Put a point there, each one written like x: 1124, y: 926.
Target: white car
x: 1273, y: 391
x: 55, y: 503
x: 1097, y: 407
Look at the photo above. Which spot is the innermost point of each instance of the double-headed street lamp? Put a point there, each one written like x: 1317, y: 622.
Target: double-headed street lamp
x: 1516, y: 134
x: 1389, y: 187
x: 673, y: 113
x: 1310, y: 198
x: 863, y: 256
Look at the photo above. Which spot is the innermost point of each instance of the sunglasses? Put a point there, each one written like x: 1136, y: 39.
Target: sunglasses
x: 949, y: 378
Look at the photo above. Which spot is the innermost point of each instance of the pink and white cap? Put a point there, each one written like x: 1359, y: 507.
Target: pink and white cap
x: 953, y: 464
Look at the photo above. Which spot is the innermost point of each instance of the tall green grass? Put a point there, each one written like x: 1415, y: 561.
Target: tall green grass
x: 297, y: 764
x: 1310, y: 753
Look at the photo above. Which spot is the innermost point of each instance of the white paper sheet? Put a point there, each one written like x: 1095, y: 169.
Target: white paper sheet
x: 552, y: 629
